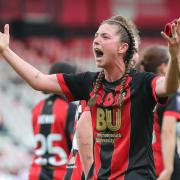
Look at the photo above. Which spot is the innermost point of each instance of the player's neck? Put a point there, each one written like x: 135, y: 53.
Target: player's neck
x: 114, y: 75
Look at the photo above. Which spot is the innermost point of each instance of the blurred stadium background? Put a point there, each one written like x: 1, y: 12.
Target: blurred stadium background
x: 47, y: 31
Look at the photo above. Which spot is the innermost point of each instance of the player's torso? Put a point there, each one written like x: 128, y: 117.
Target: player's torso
x: 117, y: 130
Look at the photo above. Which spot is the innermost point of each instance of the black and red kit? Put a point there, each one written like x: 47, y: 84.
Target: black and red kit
x: 52, y: 121
x: 172, y: 108
x: 123, y: 137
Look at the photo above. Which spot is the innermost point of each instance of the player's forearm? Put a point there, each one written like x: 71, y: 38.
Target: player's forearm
x: 85, y: 140
x: 86, y: 155
x: 168, y: 137
x: 30, y: 74
x: 172, y: 79
x: 85, y: 147
x: 167, y: 150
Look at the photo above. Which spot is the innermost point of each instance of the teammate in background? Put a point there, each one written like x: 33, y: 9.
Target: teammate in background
x: 171, y: 158
x: 114, y: 95
x: 155, y: 59
x: 52, y: 121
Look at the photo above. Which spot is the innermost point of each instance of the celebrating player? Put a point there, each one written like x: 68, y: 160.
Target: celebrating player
x: 121, y: 100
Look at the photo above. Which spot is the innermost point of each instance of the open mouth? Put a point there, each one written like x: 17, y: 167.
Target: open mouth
x: 98, y: 53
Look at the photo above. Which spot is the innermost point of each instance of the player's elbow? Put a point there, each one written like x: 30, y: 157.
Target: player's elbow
x: 39, y: 82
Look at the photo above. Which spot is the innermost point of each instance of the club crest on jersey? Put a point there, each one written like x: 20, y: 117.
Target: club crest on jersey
x: 108, y: 100
x: 46, y: 119
x: 108, y: 119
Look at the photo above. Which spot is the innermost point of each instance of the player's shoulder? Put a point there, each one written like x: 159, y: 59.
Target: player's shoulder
x: 89, y: 75
x: 141, y: 79
x: 139, y: 74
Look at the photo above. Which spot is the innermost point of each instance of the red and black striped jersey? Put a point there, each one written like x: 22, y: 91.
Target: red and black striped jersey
x: 171, y: 108
x: 74, y: 167
x: 123, y: 137
x: 52, y: 121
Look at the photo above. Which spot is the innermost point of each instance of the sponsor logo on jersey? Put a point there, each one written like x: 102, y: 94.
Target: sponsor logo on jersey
x: 108, y: 123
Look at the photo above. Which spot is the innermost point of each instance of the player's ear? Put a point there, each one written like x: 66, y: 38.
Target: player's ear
x: 123, y: 47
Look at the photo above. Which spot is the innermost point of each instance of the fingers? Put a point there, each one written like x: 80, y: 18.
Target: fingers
x: 174, y: 29
x: 166, y: 37
x: 178, y: 27
x: 6, y: 29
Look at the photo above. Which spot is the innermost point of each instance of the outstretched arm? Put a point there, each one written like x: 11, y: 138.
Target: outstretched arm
x: 30, y: 74
x: 168, y: 138
x: 170, y: 83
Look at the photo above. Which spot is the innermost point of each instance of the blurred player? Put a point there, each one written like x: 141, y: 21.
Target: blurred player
x: 155, y: 59
x: 52, y: 120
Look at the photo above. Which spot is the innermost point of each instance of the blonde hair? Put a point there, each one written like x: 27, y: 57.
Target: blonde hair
x: 128, y: 32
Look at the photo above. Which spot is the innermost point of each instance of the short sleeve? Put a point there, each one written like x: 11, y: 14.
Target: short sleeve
x: 149, y: 82
x: 76, y: 87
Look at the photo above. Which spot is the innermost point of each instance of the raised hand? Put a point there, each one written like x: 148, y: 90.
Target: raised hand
x: 4, y: 38
x: 174, y: 41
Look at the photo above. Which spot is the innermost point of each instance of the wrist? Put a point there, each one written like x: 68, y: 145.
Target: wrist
x: 4, y: 51
x: 175, y: 56
x: 174, y: 59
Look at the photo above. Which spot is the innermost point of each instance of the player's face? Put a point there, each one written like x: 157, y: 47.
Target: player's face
x: 105, y: 45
